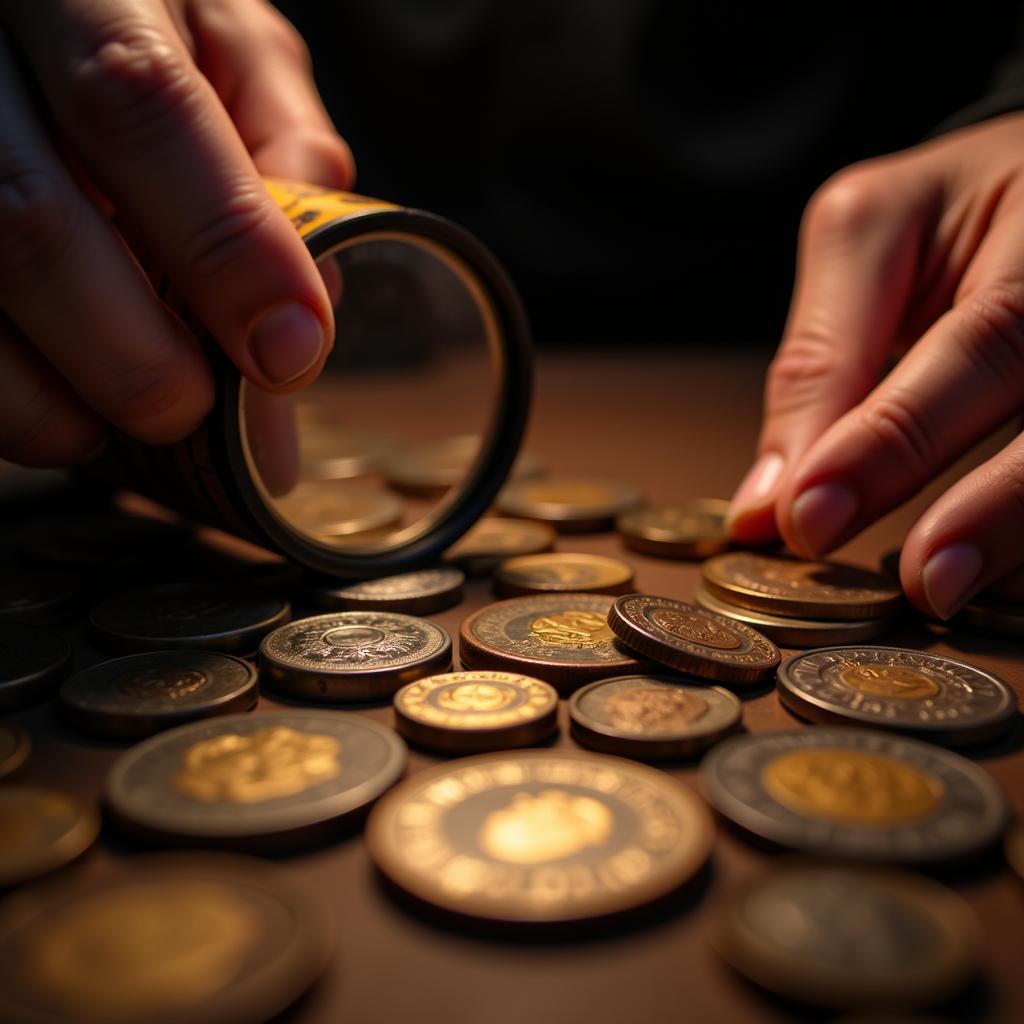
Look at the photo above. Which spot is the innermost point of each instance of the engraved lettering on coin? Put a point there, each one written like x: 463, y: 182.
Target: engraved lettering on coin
x: 167, y: 683
x: 476, y: 697
x: 852, y: 786
x: 550, y: 825
x: 889, y: 681
x: 254, y: 767
x: 646, y: 709
x: 696, y: 628
x: 168, y: 946
x: 572, y: 629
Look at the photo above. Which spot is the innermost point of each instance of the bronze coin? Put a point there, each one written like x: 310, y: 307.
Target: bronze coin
x: 569, y: 504
x: 494, y: 539
x: 690, y: 529
x: 561, y: 572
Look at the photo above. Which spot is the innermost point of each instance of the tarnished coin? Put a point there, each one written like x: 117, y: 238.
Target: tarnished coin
x: 855, y: 793
x: 339, y: 510
x: 414, y: 593
x: 559, y: 572
x: 691, y: 639
x: 39, y: 595
x: 570, y: 505
x: 691, y: 529
x: 206, y: 616
x: 33, y: 661
x: 788, y: 586
x: 263, y: 780
x: 470, y: 712
x: 993, y: 614
x: 494, y: 539
x: 844, y: 937
x: 925, y: 695
x: 652, y: 717
x: 141, y: 694
x: 563, y: 639
x: 168, y: 939
x: 353, y: 656
x: 41, y: 830
x: 539, y: 837
x: 15, y: 746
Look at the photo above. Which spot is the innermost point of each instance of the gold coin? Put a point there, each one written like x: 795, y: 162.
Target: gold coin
x: 336, y: 510
x: 559, y: 572
x: 493, y: 539
x: 570, y: 504
x: 691, y: 529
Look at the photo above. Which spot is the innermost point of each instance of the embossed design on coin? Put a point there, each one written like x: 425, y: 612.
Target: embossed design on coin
x: 175, y: 684
x: 475, y: 696
x: 923, y: 694
x: 691, y: 529
x: 559, y: 571
x: 568, y: 503
x: 691, y: 639
x: 572, y: 628
x: 539, y: 836
x: 855, y: 793
x: 420, y: 593
x: 641, y: 709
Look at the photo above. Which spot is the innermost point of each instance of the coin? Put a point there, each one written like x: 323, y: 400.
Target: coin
x: 539, y: 837
x: 33, y: 661
x: 788, y: 586
x: 691, y: 529
x: 836, y: 936
x: 557, y: 572
x: 993, y: 614
x: 855, y: 793
x: 493, y: 539
x: 15, y: 746
x: 262, y: 780
x: 793, y: 632
x: 333, y: 510
x: 926, y: 695
x: 169, y: 939
x: 333, y: 451
x: 563, y: 639
x: 41, y: 830
x: 569, y: 504
x: 143, y: 693
x: 207, y: 616
x: 692, y: 640
x: 652, y: 717
x: 39, y: 595
x: 353, y: 656
x: 414, y: 593
x: 470, y: 712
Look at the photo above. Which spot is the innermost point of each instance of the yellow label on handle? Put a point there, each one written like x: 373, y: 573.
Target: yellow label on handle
x: 309, y: 207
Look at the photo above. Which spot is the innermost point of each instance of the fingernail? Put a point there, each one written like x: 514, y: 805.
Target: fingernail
x: 949, y: 577
x: 821, y: 515
x: 286, y: 341
x: 757, y: 485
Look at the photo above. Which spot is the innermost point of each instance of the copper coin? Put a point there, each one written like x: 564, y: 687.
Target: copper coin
x: 494, y: 539
x: 690, y: 529
x: 569, y: 504
x: 420, y: 592
x: 560, y: 572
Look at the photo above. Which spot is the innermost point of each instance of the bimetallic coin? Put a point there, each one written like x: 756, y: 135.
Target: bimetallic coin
x: 334, y: 510
x: 652, y: 717
x: 793, y: 632
x: 168, y: 939
x: 471, y: 712
x: 353, y: 656
x: 692, y: 640
x: 414, y: 593
x: 492, y: 540
x: 692, y: 529
x: 925, y: 695
x: 559, y: 572
x: 563, y: 639
x: 855, y: 793
x: 261, y: 780
x: 539, y: 837
x: 570, y: 505
x: 788, y: 586
x: 844, y: 937
x: 205, y: 616
x: 993, y: 614
x: 39, y: 595
x: 15, y: 746
x: 136, y: 696
x: 41, y: 830
x: 33, y: 661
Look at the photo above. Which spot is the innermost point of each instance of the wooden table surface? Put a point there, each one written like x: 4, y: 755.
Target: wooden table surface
x: 679, y: 425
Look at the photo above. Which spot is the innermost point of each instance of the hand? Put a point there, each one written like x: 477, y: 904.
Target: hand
x: 163, y: 112
x: 922, y: 248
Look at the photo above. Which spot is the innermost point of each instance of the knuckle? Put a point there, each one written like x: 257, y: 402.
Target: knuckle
x: 227, y: 236
x: 285, y: 37
x: 851, y: 201
x: 805, y: 371
x: 38, y: 220
x: 995, y: 341
x: 902, y: 430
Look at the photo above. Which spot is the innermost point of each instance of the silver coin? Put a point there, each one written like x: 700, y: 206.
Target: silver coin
x: 353, y: 656
x: 855, y: 793
x: 265, y: 778
x: 926, y: 695
x: 415, y: 593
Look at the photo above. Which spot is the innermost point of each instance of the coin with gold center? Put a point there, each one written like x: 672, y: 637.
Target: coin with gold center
x: 558, y: 572
x: 652, y: 717
x: 925, y: 695
x: 168, y: 939
x: 470, y: 712
x: 692, y: 529
x: 539, y: 837
x: 569, y: 504
x: 563, y: 639
x: 855, y: 793
x: 262, y: 780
